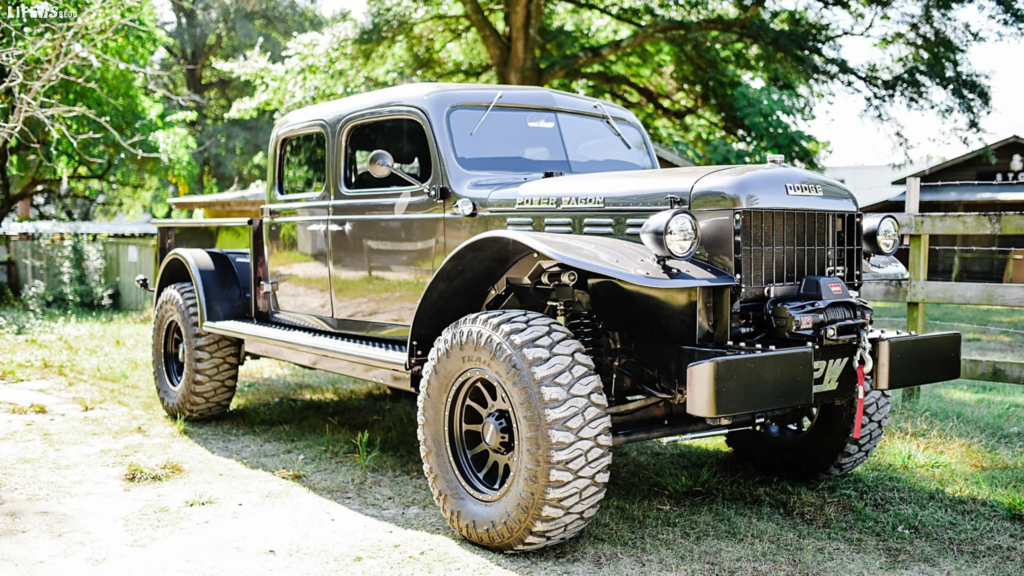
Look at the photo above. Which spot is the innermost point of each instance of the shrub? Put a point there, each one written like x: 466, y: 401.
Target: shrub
x: 76, y: 266
x: 6, y: 296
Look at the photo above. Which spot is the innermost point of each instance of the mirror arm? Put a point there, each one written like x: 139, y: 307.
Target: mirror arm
x: 410, y: 179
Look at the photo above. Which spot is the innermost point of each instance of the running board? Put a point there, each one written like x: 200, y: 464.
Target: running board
x: 356, y: 350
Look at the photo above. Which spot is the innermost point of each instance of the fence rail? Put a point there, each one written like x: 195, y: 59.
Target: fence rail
x: 988, y: 370
x: 965, y: 293
x: 954, y: 223
x: 919, y: 291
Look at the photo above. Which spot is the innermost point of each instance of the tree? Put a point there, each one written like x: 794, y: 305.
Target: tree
x: 727, y: 81
x: 73, y: 108
x: 226, y: 150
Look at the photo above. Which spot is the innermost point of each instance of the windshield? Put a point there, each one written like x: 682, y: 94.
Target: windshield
x: 533, y: 141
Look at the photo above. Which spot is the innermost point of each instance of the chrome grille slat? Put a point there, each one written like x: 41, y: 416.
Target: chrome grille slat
x: 779, y: 247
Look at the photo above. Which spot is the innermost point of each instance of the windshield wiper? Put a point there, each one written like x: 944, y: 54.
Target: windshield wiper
x: 613, y: 125
x: 488, y: 111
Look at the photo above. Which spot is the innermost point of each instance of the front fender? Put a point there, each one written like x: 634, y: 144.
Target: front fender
x: 221, y: 283
x: 612, y: 257
x: 461, y: 284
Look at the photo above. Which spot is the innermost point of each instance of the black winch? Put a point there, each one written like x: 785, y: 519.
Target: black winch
x: 822, y: 312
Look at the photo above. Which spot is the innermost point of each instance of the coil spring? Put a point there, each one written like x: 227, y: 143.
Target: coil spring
x: 834, y: 313
x: 584, y: 329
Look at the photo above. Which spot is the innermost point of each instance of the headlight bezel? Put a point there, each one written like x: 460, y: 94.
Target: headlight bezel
x: 655, y: 232
x: 876, y: 225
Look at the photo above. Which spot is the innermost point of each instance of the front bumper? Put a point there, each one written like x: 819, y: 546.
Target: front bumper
x: 745, y: 382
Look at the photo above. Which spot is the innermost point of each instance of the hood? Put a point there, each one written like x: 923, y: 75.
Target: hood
x: 636, y: 189
x: 698, y: 188
x: 770, y: 186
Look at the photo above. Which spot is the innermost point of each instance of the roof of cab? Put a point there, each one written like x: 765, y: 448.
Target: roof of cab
x: 409, y: 93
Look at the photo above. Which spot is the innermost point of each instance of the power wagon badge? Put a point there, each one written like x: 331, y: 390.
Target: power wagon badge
x: 558, y: 202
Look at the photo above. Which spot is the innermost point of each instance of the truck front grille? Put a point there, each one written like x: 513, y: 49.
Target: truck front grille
x: 779, y: 247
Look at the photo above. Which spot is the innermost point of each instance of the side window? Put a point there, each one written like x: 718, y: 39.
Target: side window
x: 404, y: 138
x: 304, y: 163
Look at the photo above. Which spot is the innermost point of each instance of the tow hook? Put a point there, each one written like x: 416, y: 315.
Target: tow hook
x: 864, y: 366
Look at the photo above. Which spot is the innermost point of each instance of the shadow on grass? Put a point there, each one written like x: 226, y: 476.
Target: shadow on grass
x: 692, y: 507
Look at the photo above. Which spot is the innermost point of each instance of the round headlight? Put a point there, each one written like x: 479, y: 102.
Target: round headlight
x: 681, y: 235
x: 671, y: 234
x: 888, y: 235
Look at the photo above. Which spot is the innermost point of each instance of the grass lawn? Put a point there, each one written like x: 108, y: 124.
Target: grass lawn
x: 943, y: 493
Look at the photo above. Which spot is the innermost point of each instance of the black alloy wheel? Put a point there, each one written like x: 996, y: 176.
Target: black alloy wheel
x: 174, y: 354
x: 481, y: 432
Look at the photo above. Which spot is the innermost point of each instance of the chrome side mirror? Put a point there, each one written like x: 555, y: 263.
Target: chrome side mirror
x: 381, y: 163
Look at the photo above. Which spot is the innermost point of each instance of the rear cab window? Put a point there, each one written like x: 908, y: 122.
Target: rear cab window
x: 303, y: 164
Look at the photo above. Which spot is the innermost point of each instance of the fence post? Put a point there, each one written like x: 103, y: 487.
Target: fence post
x: 918, y: 268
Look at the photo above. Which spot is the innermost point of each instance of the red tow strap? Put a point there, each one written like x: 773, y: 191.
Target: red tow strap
x: 860, y: 401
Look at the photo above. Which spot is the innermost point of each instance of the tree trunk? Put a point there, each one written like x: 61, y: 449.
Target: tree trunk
x: 193, y: 54
x: 513, y: 51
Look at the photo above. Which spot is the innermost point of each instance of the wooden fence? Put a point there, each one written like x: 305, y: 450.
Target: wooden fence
x: 124, y: 259
x: 919, y: 292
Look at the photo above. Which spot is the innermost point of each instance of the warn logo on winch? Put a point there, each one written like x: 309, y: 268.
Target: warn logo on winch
x: 836, y: 288
x: 829, y: 371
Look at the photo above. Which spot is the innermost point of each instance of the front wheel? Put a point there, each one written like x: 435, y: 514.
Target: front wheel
x: 513, y: 433
x: 814, y: 442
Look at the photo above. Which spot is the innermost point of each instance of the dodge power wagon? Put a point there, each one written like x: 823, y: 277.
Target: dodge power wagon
x: 516, y: 258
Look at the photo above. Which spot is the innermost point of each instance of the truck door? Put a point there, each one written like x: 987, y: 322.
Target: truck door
x: 387, y: 236
x: 298, y: 247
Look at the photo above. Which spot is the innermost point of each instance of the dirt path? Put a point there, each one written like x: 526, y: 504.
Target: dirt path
x: 66, y: 509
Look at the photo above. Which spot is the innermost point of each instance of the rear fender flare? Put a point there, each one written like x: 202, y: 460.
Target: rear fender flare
x: 220, y: 284
x: 461, y: 284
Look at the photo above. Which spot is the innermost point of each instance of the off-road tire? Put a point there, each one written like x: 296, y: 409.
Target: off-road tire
x: 564, y: 435
x: 827, y: 448
x: 211, y: 361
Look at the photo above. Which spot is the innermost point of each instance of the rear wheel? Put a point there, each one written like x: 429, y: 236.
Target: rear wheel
x: 195, y: 371
x: 817, y: 441
x: 513, y: 434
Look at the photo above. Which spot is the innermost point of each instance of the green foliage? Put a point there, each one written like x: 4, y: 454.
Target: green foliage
x: 176, y: 145
x: 224, y: 152
x: 366, y: 450
x: 6, y: 296
x: 75, y: 276
x: 106, y: 111
x: 73, y: 103
x: 724, y: 82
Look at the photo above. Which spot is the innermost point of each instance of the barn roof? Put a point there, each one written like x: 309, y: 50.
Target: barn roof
x: 959, y: 159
